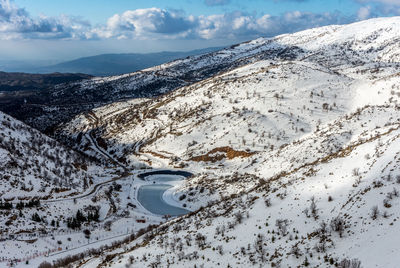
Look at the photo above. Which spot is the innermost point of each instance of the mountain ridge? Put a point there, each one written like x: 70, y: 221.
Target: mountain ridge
x: 292, y: 154
x: 292, y: 142
x: 112, y: 63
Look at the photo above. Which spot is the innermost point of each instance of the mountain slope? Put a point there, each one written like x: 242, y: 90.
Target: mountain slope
x: 295, y: 153
x: 35, y: 168
x: 333, y: 47
x: 253, y: 108
x: 319, y: 212
x: 33, y: 165
x: 48, y: 192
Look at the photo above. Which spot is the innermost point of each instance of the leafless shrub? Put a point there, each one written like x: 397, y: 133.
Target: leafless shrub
x: 238, y: 217
x: 374, y: 212
x: 267, y: 202
x: 386, y: 203
x: 282, y: 226
x: 385, y: 214
x: 313, y: 208
x: 338, y: 225
x: 321, y: 246
x: 220, y: 250
x: 346, y: 263
x: 395, y: 192
x: 296, y: 251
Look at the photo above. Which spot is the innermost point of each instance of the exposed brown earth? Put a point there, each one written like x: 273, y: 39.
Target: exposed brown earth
x: 220, y: 153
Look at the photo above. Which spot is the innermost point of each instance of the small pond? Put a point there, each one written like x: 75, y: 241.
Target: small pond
x: 151, y: 196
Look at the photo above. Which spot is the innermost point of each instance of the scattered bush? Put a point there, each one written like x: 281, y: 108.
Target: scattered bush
x: 346, y: 263
x: 374, y: 212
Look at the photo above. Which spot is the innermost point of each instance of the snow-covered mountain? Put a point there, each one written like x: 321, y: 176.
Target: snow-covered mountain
x: 364, y: 45
x: 294, y: 143
x: 329, y: 198
x: 257, y: 107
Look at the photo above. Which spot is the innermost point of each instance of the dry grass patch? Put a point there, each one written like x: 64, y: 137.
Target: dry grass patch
x: 156, y: 154
x: 220, y: 153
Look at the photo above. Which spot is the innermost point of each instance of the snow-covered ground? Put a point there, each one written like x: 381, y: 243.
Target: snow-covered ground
x: 294, y: 148
x: 267, y: 138
x: 278, y: 222
x: 43, y: 186
x: 120, y: 215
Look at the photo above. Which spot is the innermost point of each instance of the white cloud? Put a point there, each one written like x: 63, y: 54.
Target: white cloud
x: 238, y: 24
x: 147, y: 23
x: 385, y: 7
x: 364, y: 12
x: 160, y: 24
x: 16, y: 23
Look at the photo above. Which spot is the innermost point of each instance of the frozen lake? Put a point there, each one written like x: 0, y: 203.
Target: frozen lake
x: 151, y: 196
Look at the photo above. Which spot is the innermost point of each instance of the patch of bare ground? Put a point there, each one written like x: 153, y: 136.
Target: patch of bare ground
x: 156, y: 154
x: 220, y: 153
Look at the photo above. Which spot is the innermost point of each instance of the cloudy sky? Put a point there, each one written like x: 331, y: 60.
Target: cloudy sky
x: 58, y: 29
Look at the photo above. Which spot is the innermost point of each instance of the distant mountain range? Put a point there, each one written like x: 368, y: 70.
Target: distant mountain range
x: 106, y: 64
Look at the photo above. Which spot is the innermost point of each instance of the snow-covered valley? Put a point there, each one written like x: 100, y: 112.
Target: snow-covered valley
x: 56, y: 202
x: 293, y: 143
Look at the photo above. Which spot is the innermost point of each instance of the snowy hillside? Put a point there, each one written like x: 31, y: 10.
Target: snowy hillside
x: 293, y: 143
x: 253, y: 108
x: 295, y: 154
x: 33, y: 165
x: 368, y: 46
x: 257, y: 107
x: 35, y: 173
x: 54, y: 200
x: 327, y: 207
